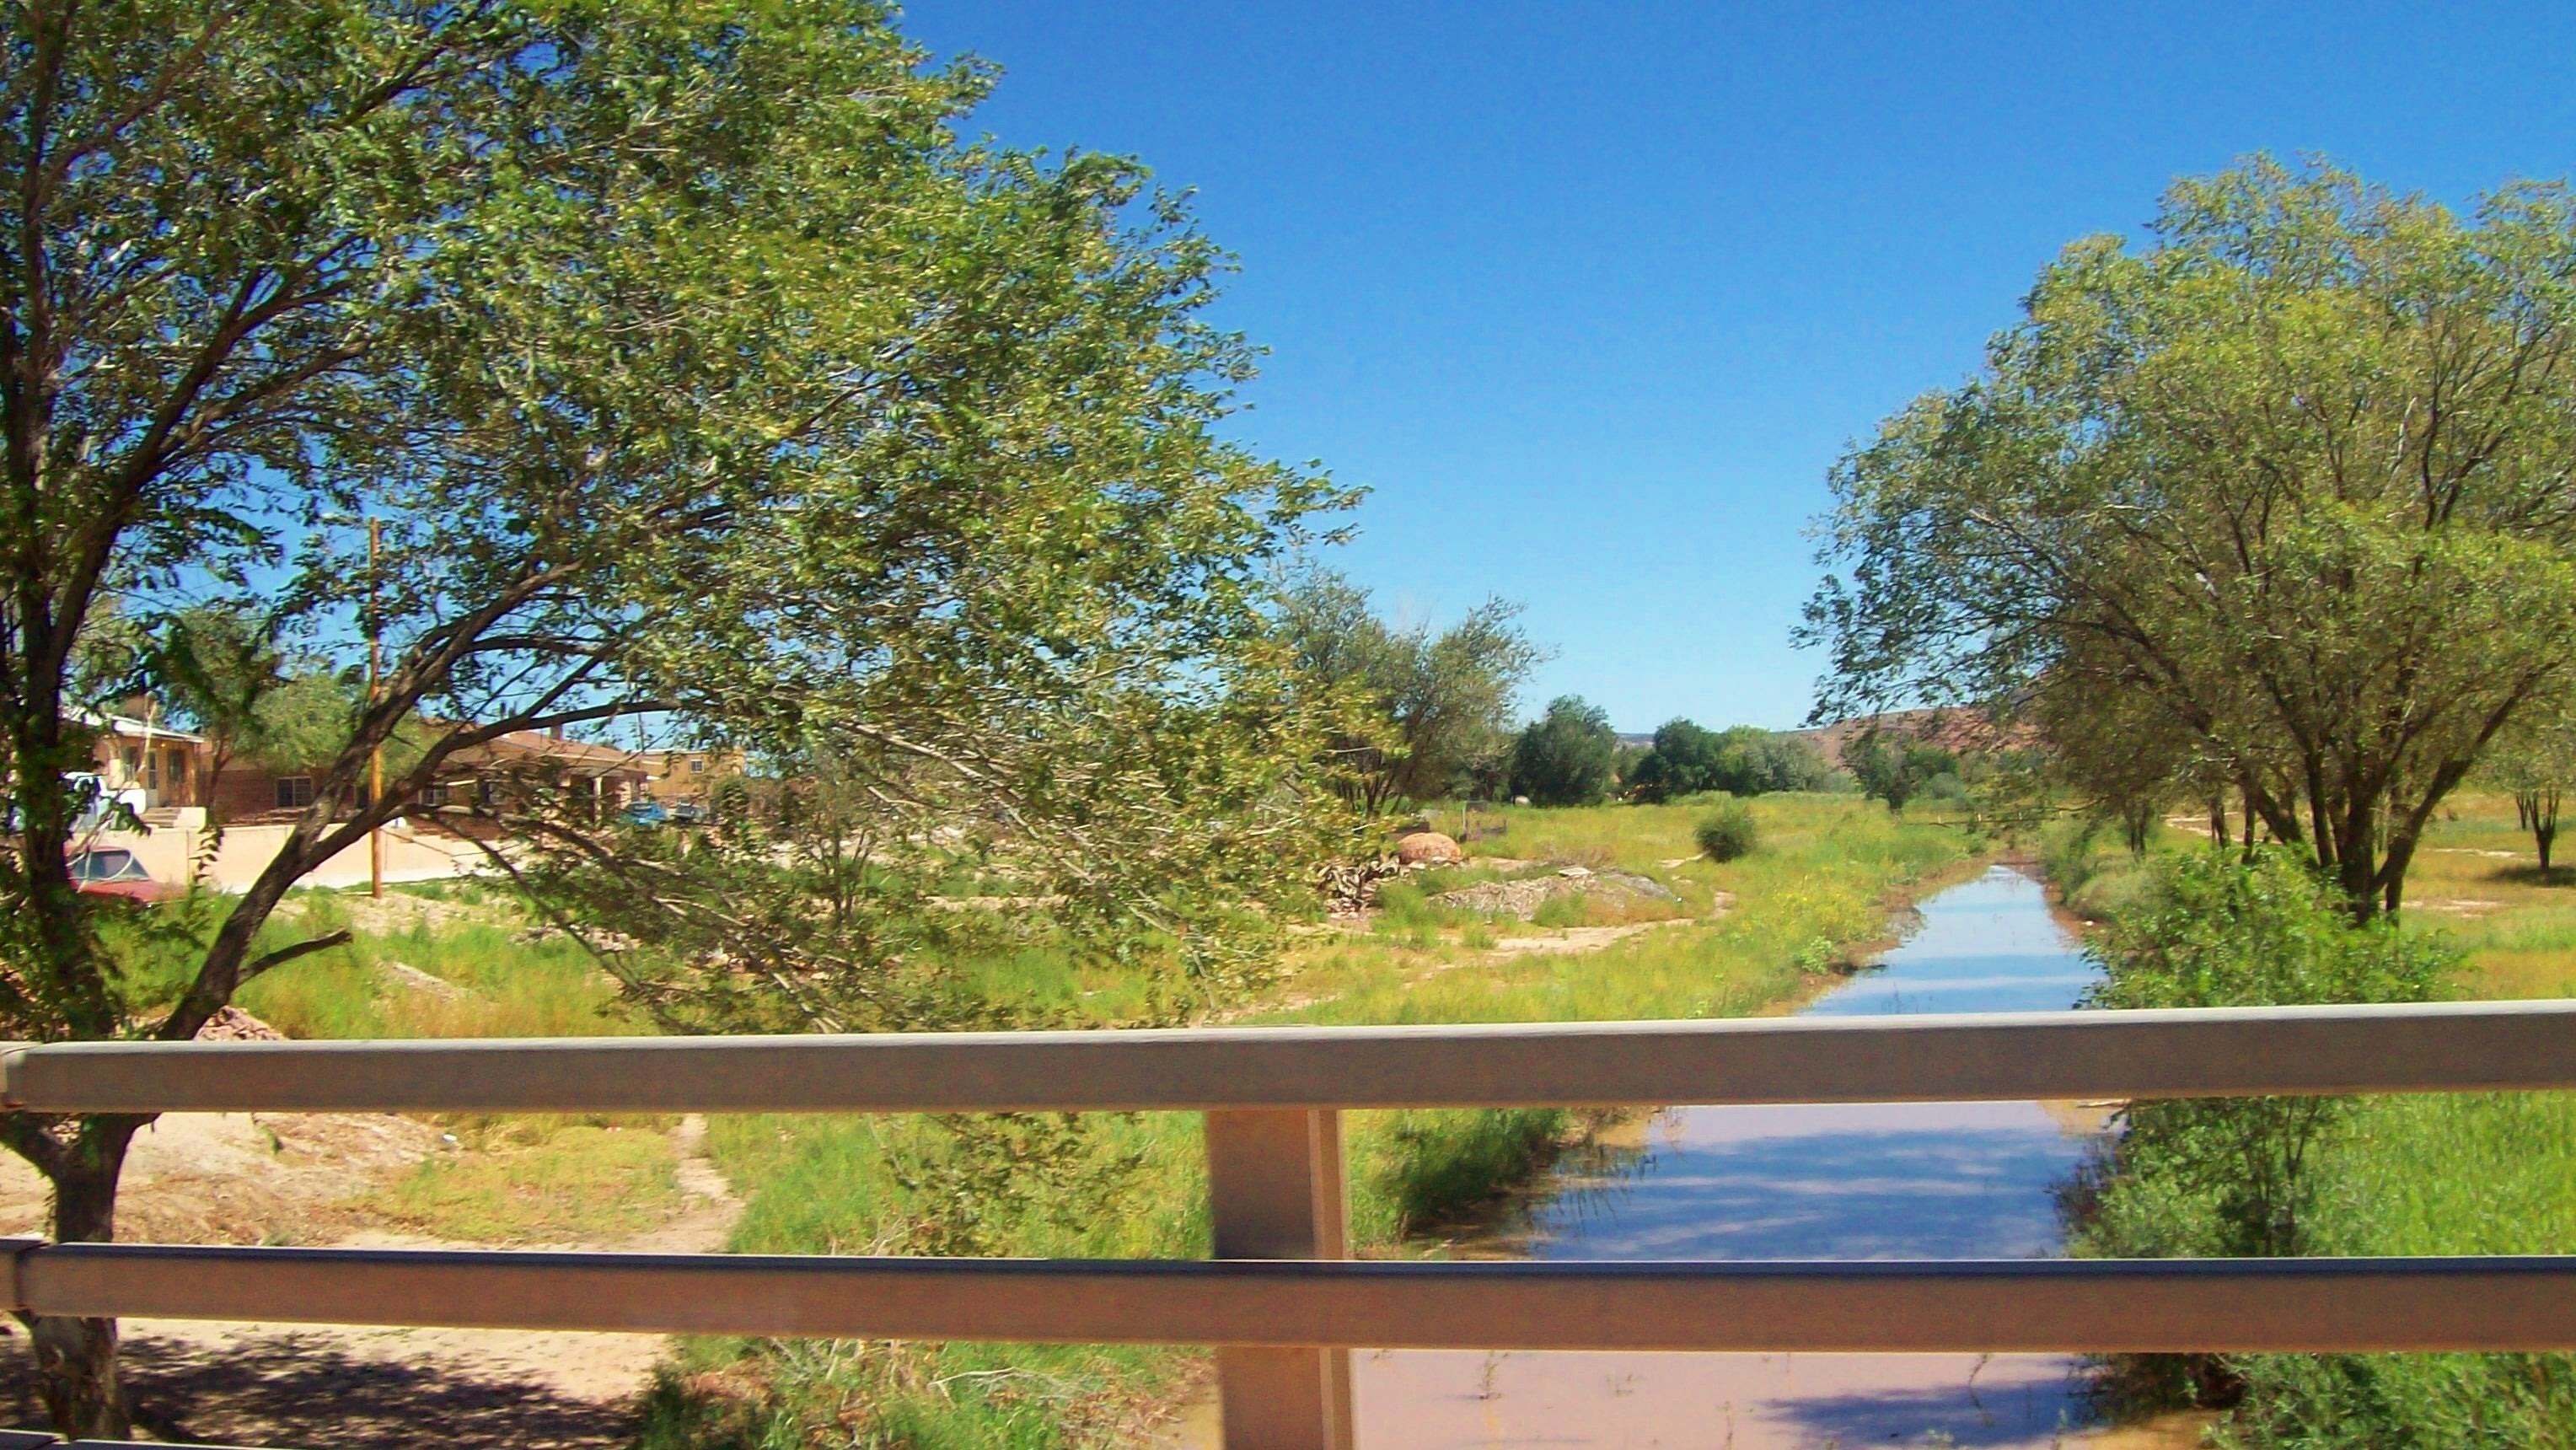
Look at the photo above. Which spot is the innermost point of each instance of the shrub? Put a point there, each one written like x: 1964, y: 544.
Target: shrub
x: 2259, y: 1177
x: 1728, y: 832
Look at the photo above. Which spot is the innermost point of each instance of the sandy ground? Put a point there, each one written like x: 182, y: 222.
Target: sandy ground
x: 243, y: 1178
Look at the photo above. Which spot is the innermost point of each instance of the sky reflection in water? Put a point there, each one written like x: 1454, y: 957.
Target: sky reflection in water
x: 1866, y: 1181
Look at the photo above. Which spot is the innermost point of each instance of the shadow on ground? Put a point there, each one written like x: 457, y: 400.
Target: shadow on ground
x: 286, y: 1390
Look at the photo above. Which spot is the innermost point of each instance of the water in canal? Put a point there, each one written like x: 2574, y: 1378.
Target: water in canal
x: 1895, y: 1181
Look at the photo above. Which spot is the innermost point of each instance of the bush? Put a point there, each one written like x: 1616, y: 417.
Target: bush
x: 1728, y: 832
x: 2213, y: 933
x: 2270, y: 1177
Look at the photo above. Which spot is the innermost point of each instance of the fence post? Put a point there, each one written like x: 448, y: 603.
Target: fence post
x: 1276, y: 1187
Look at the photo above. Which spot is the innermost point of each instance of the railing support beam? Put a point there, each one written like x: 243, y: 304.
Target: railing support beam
x: 1277, y: 1190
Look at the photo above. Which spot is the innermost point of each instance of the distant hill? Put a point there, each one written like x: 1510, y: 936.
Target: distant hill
x: 1961, y: 731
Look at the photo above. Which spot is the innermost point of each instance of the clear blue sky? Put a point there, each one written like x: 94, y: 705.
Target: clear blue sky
x: 1591, y: 297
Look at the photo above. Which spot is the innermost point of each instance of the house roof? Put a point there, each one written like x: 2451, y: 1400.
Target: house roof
x: 127, y: 725
x: 521, y: 747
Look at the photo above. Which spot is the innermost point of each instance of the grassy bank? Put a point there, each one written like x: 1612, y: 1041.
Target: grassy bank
x: 1813, y: 895
x: 2465, y: 1174
x: 448, y: 959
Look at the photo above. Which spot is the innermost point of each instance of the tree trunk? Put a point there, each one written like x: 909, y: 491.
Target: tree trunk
x: 2544, y: 824
x: 76, y: 1358
x: 2356, y: 860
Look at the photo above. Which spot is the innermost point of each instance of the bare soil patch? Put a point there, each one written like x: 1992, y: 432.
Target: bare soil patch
x: 301, y: 1178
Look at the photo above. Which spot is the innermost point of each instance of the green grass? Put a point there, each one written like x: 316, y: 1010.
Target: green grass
x: 2433, y: 1175
x: 525, y: 1180
x: 1826, y: 873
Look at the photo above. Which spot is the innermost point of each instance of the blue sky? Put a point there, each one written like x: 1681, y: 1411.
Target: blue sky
x: 1592, y: 298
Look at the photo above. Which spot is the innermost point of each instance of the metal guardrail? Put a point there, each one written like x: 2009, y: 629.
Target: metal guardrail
x: 1280, y: 1302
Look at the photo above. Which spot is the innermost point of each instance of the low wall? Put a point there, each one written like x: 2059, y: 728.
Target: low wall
x: 243, y: 852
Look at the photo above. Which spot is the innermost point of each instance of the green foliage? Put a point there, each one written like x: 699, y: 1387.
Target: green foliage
x: 2273, y: 502
x: 2437, y: 1174
x: 1434, y: 709
x: 1686, y: 760
x: 2369, y: 1177
x: 1563, y: 758
x: 846, y: 438
x: 1441, y: 1165
x: 1727, y: 833
x: 1559, y: 912
x: 2217, y: 932
x: 1896, y: 769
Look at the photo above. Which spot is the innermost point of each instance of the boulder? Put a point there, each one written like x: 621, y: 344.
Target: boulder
x: 1428, y: 848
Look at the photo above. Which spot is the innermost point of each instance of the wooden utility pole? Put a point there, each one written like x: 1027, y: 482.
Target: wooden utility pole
x: 376, y: 756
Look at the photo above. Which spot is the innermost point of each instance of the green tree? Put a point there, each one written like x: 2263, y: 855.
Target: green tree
x: 1563, y: 757
x: 2535, y: 760
x: 219, y: 668
x: 2289, y: 480
x: 692, y: 369
x: 1684, y: 759
x: 1895, y: 768
x: 1434, y: 715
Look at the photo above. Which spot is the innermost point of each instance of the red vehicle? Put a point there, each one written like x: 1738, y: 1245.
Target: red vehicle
x: 114, y: 871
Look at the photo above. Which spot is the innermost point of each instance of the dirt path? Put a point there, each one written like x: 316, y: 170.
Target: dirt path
x: 348, y: 1386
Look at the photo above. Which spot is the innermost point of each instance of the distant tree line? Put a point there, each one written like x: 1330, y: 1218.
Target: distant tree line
x: 1686, y: 759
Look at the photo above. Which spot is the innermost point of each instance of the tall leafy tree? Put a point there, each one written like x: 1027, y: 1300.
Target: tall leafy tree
x: 1563, y: 757
x: 2290, y: 481
x: 1434, y: 709
x: 692, y: 368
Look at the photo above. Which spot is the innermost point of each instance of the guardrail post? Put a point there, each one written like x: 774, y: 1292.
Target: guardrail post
x: 1276, y: 1186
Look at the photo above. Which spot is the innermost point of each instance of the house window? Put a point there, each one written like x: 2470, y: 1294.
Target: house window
x: 697, y: 765
x: 433, y: 797
x: 294, y: 792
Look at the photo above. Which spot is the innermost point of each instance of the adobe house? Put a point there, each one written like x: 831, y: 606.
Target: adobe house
x: 147, y: 766
x: 673, y: 776
x: 530, y: 761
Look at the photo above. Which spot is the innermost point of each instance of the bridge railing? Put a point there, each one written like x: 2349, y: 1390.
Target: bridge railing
x: 1281, y: 1302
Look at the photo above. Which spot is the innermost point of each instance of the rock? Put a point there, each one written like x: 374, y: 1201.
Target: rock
x: 232, y: 1024
x: 1523, y: 898
x: 1520, y: 899
x: 1646, y: 886
x: 1427, y: 848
